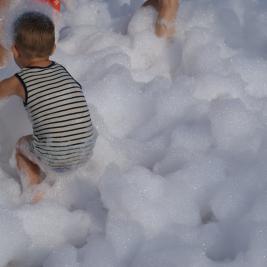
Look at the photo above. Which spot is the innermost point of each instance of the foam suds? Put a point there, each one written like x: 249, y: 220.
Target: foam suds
x: 178, y: 176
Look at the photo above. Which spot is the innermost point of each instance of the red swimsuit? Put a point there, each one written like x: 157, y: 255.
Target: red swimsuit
x: 54, y: 3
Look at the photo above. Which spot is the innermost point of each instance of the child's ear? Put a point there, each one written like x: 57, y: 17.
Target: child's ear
x: 54, y: 49
x: 15, y: 51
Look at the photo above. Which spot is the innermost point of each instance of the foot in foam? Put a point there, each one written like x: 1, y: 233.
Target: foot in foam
x: 37, y: 197
x: 167, y: 10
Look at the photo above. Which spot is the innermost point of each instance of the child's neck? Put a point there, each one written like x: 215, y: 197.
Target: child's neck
x: 39, y: 62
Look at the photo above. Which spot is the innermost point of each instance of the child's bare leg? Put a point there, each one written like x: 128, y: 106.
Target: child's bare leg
x: 154, y: 3
x: 166, y: 20
x: 165, y: 24
x: 30, y: 169
x: 26, y: 166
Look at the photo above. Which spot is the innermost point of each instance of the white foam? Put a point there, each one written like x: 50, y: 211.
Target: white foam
x: 63, y: 257
x: 235, y: 128
x: 178, y: 175
x: 14, y: 240
x: 49, y: 226
x: 98, y: 252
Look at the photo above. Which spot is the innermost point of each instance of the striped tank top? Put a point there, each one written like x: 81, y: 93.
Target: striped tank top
x: 63, y: 134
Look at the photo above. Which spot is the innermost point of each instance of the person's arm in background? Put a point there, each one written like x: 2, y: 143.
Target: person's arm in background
x: 3, y: 51
x: 167, y: 11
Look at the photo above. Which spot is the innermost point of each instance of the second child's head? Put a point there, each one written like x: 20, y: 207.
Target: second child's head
x: 33, y: 37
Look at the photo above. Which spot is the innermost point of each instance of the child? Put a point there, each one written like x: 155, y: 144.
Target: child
x: 167, y: 10
x: 63, y: 135
x: 4, y: 5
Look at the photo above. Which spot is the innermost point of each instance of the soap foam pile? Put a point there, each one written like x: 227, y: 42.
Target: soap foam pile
x: 178, y: 176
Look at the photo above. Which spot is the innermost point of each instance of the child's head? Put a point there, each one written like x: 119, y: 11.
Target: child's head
x: 34, y: 36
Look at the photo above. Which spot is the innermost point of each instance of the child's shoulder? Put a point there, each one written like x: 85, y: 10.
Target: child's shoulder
x: 11, y: 86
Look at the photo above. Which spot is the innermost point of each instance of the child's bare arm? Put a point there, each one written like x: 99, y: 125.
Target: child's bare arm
x: 3, y: 54
x: 11, y: 86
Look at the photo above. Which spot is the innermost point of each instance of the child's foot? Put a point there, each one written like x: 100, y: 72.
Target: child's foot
x: 167, y: 10
x: 37, y: 197
x: 165, y: 28
x: 165, y: 25
x: 35, y: 194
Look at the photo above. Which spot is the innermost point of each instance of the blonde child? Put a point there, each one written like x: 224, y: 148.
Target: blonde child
x: 63, y: 135
x: 164, y: 27
x: 4, y: 6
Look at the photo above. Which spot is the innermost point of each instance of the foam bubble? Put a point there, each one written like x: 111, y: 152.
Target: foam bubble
x: 125, y: 235
x: 140, y: 195
x: 49, y: 226
x: 14, y: 240
x: 184, y: 122
x: 98, y: 252
x: 167, y: 251
x: 235, y: 128
x: 63, y: 257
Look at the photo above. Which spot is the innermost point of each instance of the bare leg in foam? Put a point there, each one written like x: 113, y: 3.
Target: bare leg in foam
x: 167, y: 11
x: 30, y: 172
x: 29, y: 169
x: 30, y: 176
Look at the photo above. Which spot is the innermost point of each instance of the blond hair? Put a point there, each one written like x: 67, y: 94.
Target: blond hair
x: 34, y: 34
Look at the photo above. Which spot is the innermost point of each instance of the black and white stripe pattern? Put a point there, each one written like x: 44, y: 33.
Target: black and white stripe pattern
x: 63, y: 134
